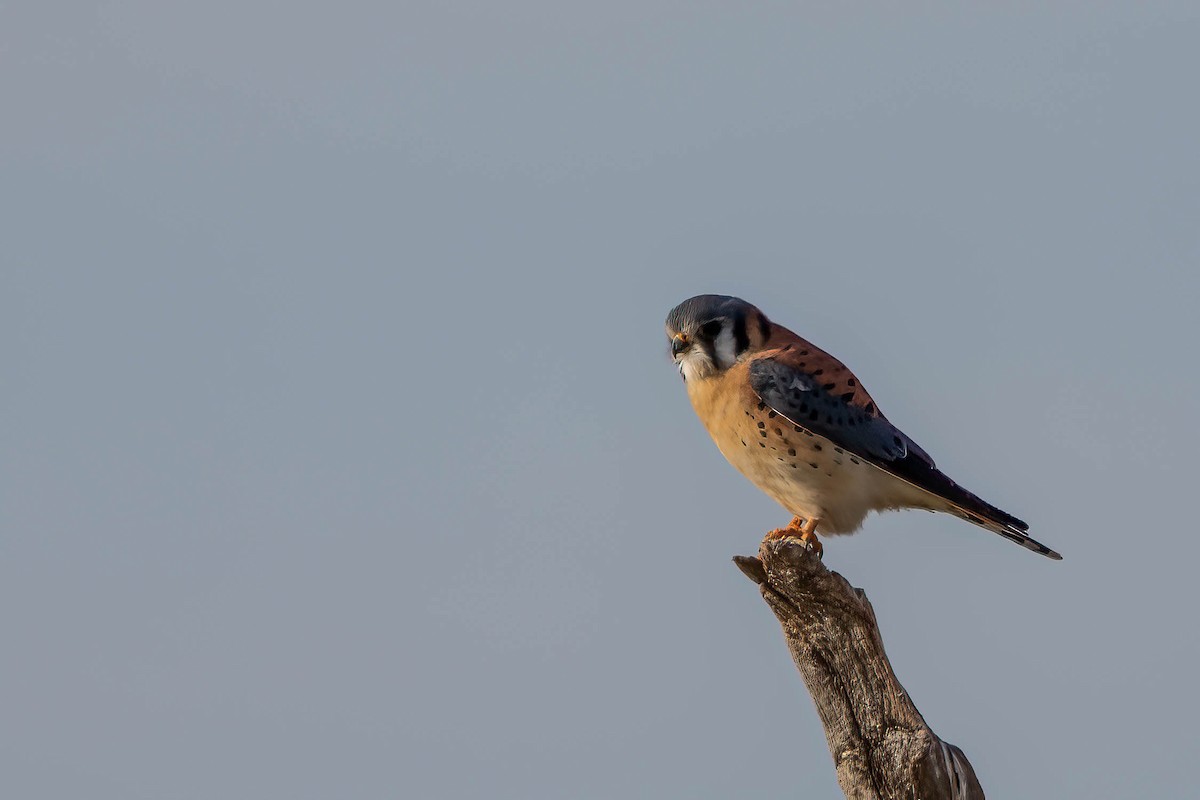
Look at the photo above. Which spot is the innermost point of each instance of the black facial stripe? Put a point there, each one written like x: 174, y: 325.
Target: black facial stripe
x: 764, y: 327
x: 740, y: 337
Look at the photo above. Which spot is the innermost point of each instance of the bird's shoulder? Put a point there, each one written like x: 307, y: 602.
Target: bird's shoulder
x: 795, y: 354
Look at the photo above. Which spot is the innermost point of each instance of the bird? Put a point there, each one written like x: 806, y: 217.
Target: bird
x: 802, y: 428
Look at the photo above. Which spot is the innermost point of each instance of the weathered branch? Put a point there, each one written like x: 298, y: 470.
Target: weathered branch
x: 881, y: 746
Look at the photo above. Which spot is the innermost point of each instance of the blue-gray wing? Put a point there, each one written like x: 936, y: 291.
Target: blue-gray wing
x: 798, y: 396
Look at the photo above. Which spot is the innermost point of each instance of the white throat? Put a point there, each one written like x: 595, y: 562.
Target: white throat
x: 695, y: 364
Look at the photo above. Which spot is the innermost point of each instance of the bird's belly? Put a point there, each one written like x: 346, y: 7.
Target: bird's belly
x: 805, y: 473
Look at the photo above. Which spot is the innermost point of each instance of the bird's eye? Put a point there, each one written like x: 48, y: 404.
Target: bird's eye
x: 711, y: 329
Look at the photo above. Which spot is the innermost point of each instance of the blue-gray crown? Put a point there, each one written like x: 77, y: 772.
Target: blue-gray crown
x: 697, y: 310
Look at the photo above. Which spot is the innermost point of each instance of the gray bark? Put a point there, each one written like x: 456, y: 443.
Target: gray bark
x: 882, y: 748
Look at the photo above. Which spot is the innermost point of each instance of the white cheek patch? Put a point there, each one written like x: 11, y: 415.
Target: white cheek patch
x: 725, y: 348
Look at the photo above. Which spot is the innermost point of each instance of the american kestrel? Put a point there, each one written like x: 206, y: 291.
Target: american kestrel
x: 796, y: 422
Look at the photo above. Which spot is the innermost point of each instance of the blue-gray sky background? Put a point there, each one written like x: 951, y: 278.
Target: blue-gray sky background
x: 343, y: 456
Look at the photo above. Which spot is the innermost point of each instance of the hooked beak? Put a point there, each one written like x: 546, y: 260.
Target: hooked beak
x: 679, y: 343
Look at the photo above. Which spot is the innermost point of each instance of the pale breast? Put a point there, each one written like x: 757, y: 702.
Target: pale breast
x: 805, y: 473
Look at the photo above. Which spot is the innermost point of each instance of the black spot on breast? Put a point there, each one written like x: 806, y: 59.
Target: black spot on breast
x: 762, y: 406
x: 744, y: 443
x: 896, y: 439
x: 771, y: 414
x: 791, y: 451
x: 813, y: 464
x: 817, y: 446
x: 850, y: 382
x: 793, y: 466
x: 763, y: 446
x: 762, y: 425
x: 827, y: 387
x: 870, y: 407
x: 803, y: 352
x: 762, y: 434
x: 778, y: 432
x: 817, y: 372
x: 847, y: 397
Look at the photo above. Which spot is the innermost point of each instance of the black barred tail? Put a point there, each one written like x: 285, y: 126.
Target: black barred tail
x: 965, y: 505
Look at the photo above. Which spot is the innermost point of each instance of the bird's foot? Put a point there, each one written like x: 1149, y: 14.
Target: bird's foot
x: 802, y: 529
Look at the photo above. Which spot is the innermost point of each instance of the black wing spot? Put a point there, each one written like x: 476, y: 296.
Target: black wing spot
x: 850, y: 382
x: 847, y: 397
x: 771, y: 414
x: 871, y: 407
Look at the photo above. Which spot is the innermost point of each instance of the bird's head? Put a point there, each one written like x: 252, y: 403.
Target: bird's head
x: 710, y: 332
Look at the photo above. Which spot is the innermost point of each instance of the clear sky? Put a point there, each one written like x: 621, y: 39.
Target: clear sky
x: 343, y: 456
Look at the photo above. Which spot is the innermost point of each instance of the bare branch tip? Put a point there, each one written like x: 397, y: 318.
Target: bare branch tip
x: 752, y: 568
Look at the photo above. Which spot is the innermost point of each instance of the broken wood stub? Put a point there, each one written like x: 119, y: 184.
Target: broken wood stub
x: 881, y: 746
